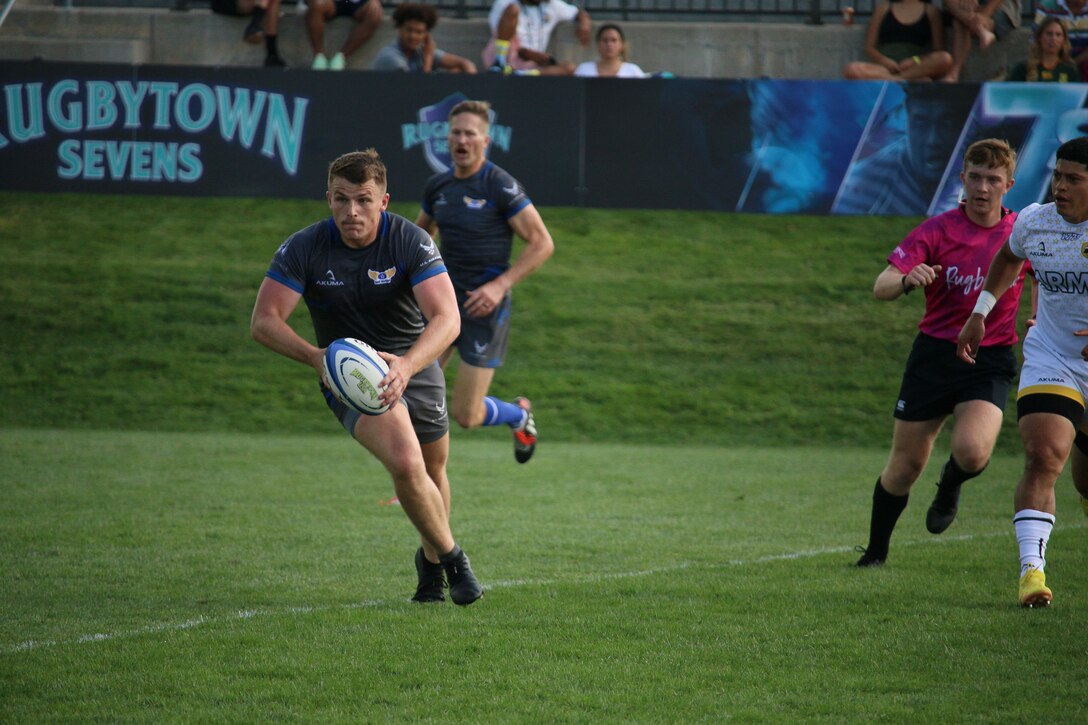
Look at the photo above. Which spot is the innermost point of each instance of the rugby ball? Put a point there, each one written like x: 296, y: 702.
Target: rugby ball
x: 354, y: 370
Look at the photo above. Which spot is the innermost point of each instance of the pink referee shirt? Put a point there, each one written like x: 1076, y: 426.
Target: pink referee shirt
x: 963, y: 249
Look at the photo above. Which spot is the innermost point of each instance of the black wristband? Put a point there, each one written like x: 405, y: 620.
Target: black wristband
x: 907, y: 289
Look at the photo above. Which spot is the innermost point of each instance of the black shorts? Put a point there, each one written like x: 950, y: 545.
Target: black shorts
x: 425, y: 397
x: 936, y: 381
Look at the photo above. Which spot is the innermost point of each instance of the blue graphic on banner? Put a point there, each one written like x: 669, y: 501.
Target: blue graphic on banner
x: 803, y: 136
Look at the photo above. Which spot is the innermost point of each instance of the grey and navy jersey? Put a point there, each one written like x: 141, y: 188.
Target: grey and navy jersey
x: 472, y: 216
x: 363, y: 293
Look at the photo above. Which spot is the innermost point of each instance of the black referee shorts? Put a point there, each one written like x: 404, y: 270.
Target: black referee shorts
x: 936, y: 381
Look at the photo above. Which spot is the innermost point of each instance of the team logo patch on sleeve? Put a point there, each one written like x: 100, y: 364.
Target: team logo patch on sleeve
x: 382, y: 277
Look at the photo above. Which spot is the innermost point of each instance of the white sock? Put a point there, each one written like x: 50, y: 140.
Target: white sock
x: 1032, y: 533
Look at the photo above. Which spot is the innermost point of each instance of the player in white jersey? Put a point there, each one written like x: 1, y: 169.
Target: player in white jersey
x: 1050, y: 404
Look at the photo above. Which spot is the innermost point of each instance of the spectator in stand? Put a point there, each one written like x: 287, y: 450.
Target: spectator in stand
x: 414, y: 49
x: 905, y: 42
x: 1074, y: 17
x: 263, y: 25
x: 987, y: 20
x: 521, y: 30
x: 1050, y: 59
x: 612, y: 47
x: 367, y: 15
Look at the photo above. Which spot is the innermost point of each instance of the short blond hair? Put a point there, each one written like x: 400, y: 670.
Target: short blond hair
x: 482, y: 109
x: 991, y: 153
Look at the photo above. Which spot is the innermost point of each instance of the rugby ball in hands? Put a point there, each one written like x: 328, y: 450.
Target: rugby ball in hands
x: 354, y: 370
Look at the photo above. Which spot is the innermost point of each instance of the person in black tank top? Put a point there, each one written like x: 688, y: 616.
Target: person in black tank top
x: 904, y: 42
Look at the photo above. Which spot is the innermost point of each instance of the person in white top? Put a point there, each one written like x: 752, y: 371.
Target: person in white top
x: 612, y: 47
x: 1050, y: 404
x: 521, y: 31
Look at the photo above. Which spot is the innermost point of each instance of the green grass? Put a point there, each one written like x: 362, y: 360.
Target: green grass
x: 244, y: 577
x: 187, y: 536
x: 644, y: 327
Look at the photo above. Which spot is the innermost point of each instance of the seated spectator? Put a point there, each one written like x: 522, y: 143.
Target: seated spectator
x: 1074, y: 17
x: 612, y: 47
x: 987, y: 20
x: 1049, y: 57
x: 905, y: 42
x: 263, y: 25
x: 414, y: 48
x: 521, y: 30
x: 367, y: 15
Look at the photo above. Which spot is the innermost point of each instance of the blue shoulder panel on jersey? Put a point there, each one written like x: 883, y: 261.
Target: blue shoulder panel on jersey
x: 428, y: 273
x: 284, y: 281
x: 513, y: 211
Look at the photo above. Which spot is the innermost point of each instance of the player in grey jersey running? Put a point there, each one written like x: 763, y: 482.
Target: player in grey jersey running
x: 477, y: 208
x: 369, y: 274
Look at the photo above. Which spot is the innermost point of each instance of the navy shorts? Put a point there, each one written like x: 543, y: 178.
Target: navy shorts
x: 936, y: 381
x: 482, y: 342
x: 425, y: 397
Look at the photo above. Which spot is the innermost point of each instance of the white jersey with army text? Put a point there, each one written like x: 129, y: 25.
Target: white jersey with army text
x: 1058, y: 252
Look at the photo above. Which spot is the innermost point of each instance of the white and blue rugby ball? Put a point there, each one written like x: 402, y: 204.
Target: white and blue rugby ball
x: 354, y: 370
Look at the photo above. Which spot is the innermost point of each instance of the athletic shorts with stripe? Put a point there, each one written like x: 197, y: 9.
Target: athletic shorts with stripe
x: 482, y: 342
x: 1051, y: 383
x: 425, y: 397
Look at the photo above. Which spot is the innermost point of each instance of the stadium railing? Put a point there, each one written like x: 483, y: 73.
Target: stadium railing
x: 813, y: 12
x: 810, y: 11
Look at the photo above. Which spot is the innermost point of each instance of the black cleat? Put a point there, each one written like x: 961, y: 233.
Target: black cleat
x: 942, y: 512
x: 274, y: 61
x: 432, y: 585
x: 869, y: 560
x: 464, y: 589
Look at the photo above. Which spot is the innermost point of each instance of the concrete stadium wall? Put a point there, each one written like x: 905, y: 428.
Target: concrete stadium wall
x: 198, y: 37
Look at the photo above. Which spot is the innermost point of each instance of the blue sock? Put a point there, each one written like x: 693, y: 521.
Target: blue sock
x: 499, y: 412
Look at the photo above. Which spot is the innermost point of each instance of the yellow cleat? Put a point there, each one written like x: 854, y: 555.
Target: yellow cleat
x: 1033, y: 589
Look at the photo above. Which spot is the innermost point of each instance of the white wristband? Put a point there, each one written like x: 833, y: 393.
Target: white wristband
x: 986, y: 302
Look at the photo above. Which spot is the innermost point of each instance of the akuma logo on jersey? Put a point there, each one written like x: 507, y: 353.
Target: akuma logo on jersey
x: 432, y: 129
x: 382, y: 277
x: 474, y: 203
x: 329, y: 281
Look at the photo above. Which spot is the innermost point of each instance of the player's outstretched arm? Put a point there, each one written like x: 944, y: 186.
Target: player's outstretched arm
x: 1003, y: 271
x: 528, y: 225
x: 268, y: 325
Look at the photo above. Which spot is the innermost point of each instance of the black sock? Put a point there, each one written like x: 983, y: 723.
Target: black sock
x: 258, y: 13
x: 886, y: 510
x: 270, y: 45
x: 954, y: 476
x: 452, y: 554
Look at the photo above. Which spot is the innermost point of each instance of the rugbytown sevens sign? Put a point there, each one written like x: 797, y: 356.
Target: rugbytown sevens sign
x: 77, y: 110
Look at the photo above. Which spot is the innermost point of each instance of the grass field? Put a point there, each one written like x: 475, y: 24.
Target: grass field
x: 186, y: 535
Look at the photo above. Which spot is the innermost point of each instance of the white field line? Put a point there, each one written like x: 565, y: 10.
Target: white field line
x: 35, y: 644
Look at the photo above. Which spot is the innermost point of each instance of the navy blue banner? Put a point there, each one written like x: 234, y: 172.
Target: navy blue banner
x: 769, y: 146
